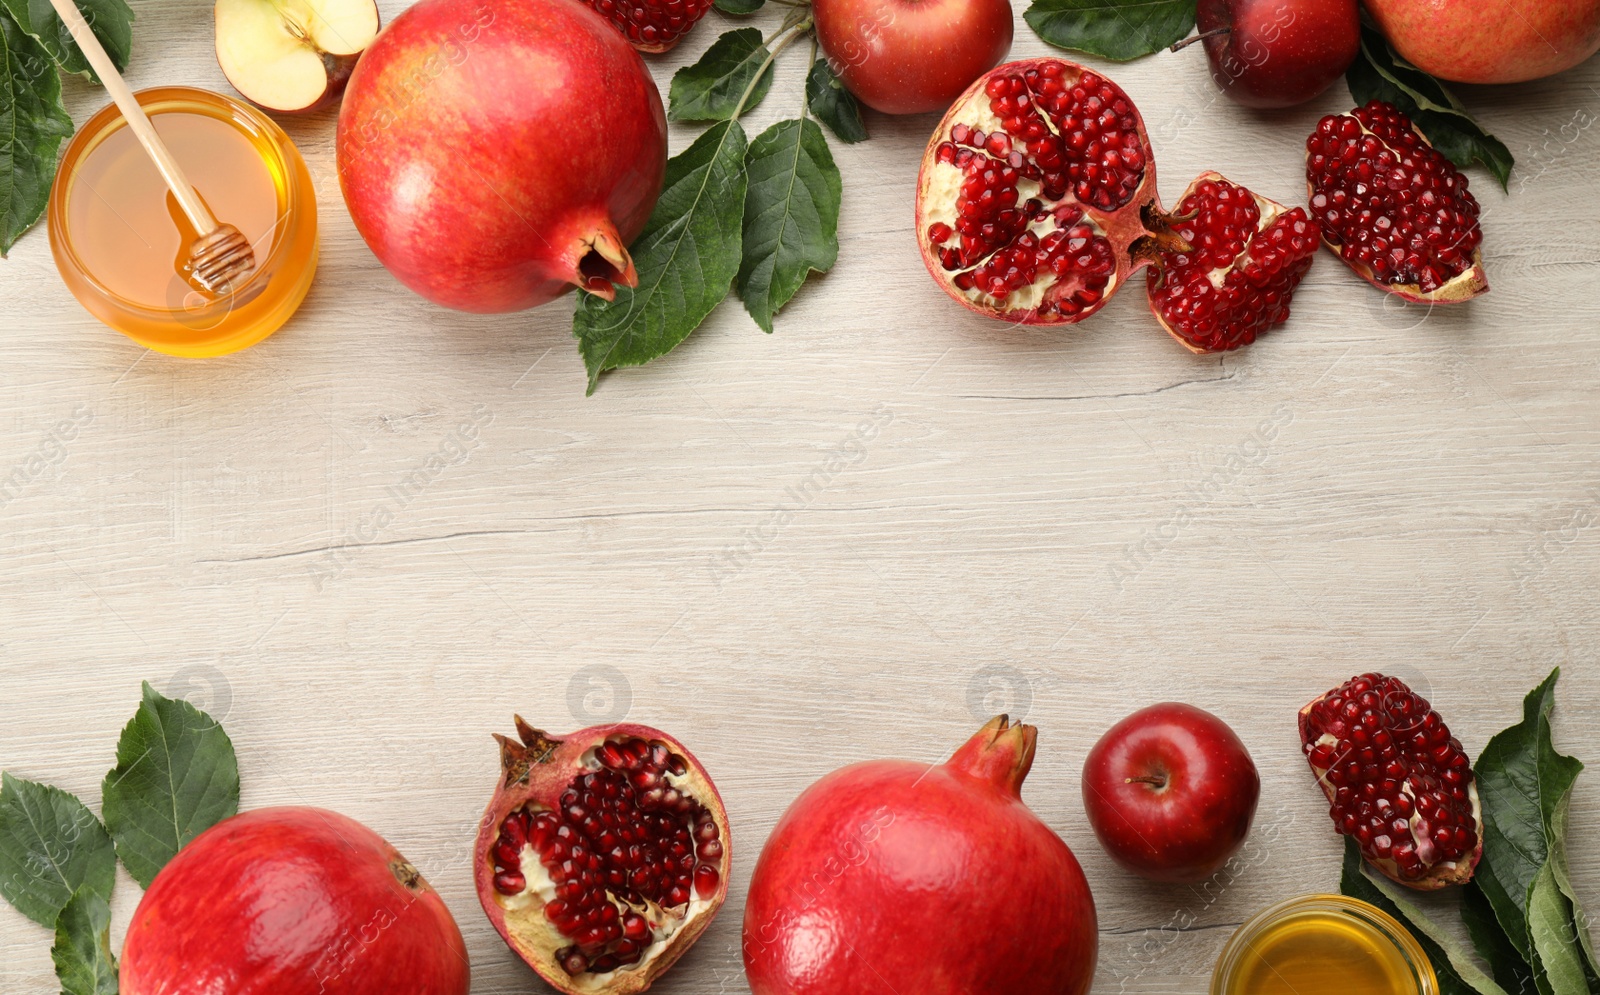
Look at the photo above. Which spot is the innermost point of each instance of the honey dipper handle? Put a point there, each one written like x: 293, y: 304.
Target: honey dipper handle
x: 193, y: 207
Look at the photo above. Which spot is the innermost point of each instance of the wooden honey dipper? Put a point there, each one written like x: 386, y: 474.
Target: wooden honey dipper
x: 220, y: 257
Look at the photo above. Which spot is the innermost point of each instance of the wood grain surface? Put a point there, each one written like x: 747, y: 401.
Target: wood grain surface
x: 853, y: 538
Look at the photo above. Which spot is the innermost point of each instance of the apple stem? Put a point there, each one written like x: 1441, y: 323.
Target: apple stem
x: 1154, y: 780
x: 1213, y: 33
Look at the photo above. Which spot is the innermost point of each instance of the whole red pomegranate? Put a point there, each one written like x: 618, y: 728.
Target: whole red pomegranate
x: 291, y: 901
x: 1245, y: 257
x: 1170, y: 791
x: 1395, y: 210
x: 1278, y: 53
x: 912, y: 56
x: 893, y: 876
x: 480, y: 182
x: 1400, y: 785
x: 602, y: 856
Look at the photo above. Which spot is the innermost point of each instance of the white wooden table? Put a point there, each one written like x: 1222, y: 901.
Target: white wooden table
x: 853, y: 538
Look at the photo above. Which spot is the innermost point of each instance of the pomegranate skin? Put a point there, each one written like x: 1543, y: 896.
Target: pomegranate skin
x: 891, y: 876
x: 1490, y: 41
x: 496, y: 153
x: 292, y: 901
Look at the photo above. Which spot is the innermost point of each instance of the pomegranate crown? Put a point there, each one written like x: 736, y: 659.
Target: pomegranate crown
x: 1000, y: 753
x: 517, y: 759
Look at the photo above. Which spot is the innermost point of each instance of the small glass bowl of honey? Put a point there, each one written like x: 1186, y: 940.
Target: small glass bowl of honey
x: 1323, y: 945
x: 121, y: 242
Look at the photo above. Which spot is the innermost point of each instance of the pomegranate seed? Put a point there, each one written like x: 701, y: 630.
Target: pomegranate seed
x: 705, y: 880
x: 509, y: 882
x: 635, y: 928
x: 572, y: 960
x: 514, y: 832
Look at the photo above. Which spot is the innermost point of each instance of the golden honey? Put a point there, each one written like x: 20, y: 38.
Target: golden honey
x: 122, y: 244
x: 1323, y: 945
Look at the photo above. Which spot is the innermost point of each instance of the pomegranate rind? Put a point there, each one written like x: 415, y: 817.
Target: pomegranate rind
x: 1125, y: 226
x: 1441, y: 875
x: 1270, y: 210
x: 527, y: 764
x: 1464, y: 286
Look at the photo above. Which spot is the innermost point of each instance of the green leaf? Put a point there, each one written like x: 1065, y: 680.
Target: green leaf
x: 1525, y: 786
x: 791, y: 216
x: 82, y: 950
x: 1379, y: 74
x: 110, y: 20
x: 1553, y: 932
x: 738, y: 8
x: 710, y: 89
x: 1514, y: 841
x: 1552, y: 894
x: 1115, y: 29
x: 176, y: 776
x: 50, y: 847
x: 33, y: 123
x: 1511, y: 970
x: 1457, y: 973
x: 687, y: 257
x: 833, y: 105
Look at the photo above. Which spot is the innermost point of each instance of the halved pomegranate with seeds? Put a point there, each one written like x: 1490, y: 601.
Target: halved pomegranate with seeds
x: 1399, y: 783
x: 1246, y: 256
x: 1394, y: 209
x: 603, y: 855
x: 1037, y: 196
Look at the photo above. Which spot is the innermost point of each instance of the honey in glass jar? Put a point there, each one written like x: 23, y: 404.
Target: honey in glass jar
x: 122, y: 243
x: 1323, y: 945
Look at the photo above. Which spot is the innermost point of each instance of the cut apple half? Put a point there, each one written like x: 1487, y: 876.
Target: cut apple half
x: 292, y: 56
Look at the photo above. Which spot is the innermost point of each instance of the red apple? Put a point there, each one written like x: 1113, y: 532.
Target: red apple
x: 1170, y: 792
x: 497, y: 153
x: 1278, y: 53
x: 911, y: 56
x: 292, y: 901
x: 1490, y: 41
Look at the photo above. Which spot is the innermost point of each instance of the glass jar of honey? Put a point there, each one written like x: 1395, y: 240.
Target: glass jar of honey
x: 1323, y: 945
x: 121, y: 241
